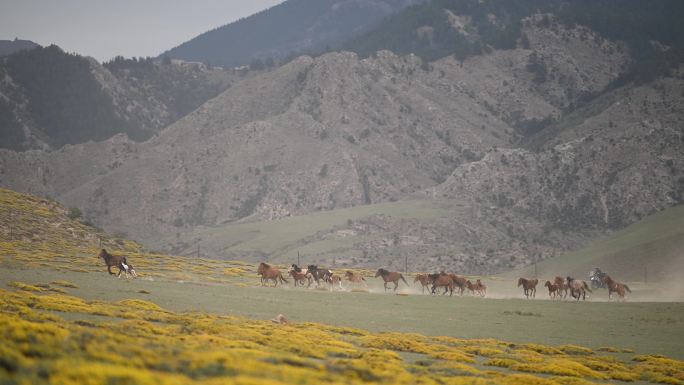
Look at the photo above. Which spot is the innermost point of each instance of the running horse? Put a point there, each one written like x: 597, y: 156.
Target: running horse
x: 478, y: 287
x: 118, y: 261
x: 578, y: 288
x: 562, y: 285
x: 424, y: 281
x: 442, y: 280
x: 390, y: 276
x: 529, y: 286
x: 554, y: 289
x: 354, y: 278
x: 319, y: 273
x: 615, y: 287
x: 269, y: 272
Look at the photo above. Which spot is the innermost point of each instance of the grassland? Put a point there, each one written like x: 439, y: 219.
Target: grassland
x: 282, y: 239
x: 64, y: 320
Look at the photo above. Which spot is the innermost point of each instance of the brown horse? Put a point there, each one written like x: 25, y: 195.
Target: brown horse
x: 424, y: 281
x: 459, y: 281
x: 477, y: 287
x: 269, y: 272
x: 554, y: 290
x: 300, y: 277
x: 562, y: 286
x: 118, y: 261
x: 578, y: 288
x: 442, y: 280
x: 390, y: 276
x: 615, y: 287
x: 354, y: 278
x: 529, y: 286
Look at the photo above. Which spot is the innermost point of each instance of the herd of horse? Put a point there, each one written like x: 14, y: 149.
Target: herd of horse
x: 559, y: 288
x: 448, y: 282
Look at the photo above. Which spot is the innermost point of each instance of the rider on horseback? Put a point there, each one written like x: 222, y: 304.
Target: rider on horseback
x: 596, y: 277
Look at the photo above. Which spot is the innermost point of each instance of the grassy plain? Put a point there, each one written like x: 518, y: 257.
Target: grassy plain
x: 64, y: 320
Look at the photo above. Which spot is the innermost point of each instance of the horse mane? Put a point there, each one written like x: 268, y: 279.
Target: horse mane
x: 265, y: 265
x: 104, y: 254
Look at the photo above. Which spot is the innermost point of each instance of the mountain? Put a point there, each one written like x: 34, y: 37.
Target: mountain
x: 8, y: 47
x: 292, y: 27
x: 34, y: 228
x: 511, y: 155
x: 52, y: 98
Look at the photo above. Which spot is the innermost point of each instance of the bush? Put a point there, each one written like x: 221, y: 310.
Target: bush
x: 74, y: 213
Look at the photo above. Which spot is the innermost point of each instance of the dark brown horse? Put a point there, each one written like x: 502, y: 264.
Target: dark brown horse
x: 442, y: 280
x: 424, y: 281
x: 319, y: 273
x: 390, y: 276
x: 529, y: 286
x: 118, y: 261
x: 615, y: 287
x: 269, y: 272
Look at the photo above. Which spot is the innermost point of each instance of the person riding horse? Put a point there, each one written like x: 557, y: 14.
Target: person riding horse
x: 596, y: 278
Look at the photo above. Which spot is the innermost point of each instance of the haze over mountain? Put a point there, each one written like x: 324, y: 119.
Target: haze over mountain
x: 292, y: 27
x: 8, y: 47
x: 533, y: 129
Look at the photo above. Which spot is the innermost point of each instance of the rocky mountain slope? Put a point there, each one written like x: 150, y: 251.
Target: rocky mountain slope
x: 529, y: 159
x: 49, y: 98
x: 292, y: 27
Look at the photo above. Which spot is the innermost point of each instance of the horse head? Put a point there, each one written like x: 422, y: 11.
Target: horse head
x: 380, y: 272
x: 520, y: 281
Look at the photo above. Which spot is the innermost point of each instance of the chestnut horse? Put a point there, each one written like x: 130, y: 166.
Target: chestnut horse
x: 562, y: 286
x: 354, y: 278
x: 459, y: 281
x: 300, y: 277
x: 424, y: 281
x: 615, y: 286
x: 442, y: 280
x: 118, y: 261
x: 578, y: 288
x: 554, y: 290
x: 529, y: 286
x: 269, y: 272
x: 390, y: 276
x: 477, y: 287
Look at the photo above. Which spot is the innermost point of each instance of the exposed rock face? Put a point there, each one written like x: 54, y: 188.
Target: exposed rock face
x: 337, y: 131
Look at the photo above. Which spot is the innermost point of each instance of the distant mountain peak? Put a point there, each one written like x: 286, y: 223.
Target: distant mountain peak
x: 8, y: 47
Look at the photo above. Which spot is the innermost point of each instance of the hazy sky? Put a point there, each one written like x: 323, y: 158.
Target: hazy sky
x: 106, y: 28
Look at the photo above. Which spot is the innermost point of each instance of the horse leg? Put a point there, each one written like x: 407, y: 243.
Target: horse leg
x: 109, y: 268
x: 396, y: 285
x: 385, y: 285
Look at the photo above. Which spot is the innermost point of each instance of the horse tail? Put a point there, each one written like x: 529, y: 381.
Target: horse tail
x: 586, y: 287
x: 402, y: 278
x: 626, y: 287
